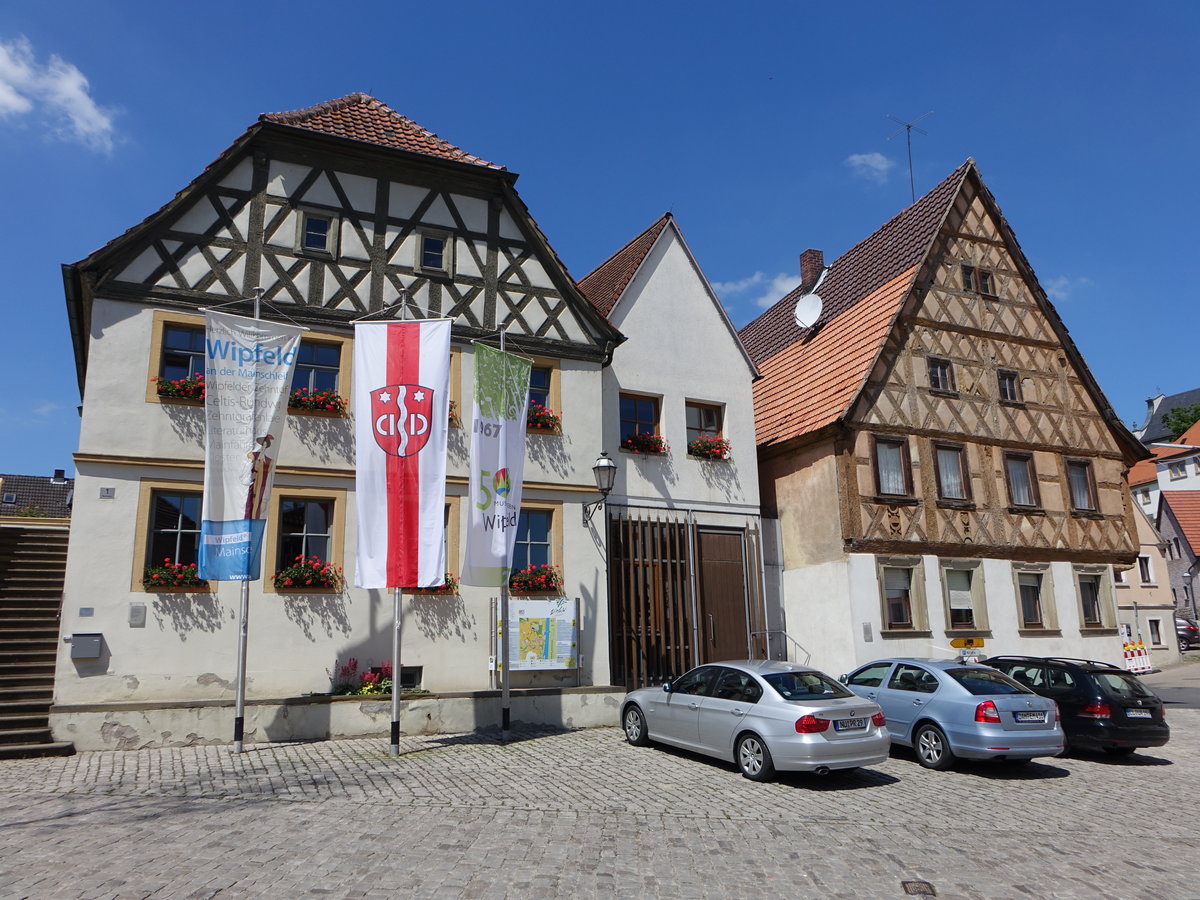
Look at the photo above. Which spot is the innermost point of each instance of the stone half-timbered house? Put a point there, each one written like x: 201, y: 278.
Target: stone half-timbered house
x: 941, y: 462
x: 684, y: 547
x: 334, y: 212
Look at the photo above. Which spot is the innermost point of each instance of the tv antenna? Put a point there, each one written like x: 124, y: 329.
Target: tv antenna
x: 908, y: 129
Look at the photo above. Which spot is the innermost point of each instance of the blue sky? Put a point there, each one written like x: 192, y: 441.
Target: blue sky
x: 762, y: 126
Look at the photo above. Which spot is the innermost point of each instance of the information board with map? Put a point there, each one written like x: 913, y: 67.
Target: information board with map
x: 543, y: 633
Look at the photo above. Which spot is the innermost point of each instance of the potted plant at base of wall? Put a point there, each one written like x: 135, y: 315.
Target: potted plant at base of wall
x: 536, y: 580
x: 329, y: 402
x: 542, y: 418
x: 172, y: 576
x: 709, y: 446
x: 312, y: 574
x: 449, y: 586
x: 372, y: 681
x: 180, y: 388
x: 650, y: 444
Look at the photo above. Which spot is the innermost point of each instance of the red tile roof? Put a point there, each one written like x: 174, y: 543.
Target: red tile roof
x: 1145, y: 470
x: 603, y: 285
x: 810, y: 384
x: 360, y: 117
x: 1185, y: 505
x: 896, y: 247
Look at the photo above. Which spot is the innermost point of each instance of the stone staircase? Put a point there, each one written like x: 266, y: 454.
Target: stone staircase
x: 33, y: 563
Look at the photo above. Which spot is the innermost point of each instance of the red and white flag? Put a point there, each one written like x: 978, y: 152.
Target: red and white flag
x: 402, y: 412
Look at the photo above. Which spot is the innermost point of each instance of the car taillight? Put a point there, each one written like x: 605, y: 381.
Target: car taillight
x: 1097, y: 709
x: 987, y: 712
x: 879, y: 719
x: 810, y: 725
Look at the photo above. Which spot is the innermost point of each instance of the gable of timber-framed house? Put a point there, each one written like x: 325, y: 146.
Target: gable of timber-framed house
x: 936, y: 449
x: 333, y: 212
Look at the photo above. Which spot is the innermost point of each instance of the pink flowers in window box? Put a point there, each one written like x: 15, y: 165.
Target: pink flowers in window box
x: 643, y: 442
x: 709, y: 446
x: 535, y: 580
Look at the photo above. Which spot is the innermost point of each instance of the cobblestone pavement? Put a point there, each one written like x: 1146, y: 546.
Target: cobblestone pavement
x: 582, y: 814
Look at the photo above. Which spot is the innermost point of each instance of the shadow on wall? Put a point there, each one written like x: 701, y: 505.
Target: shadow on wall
x: 326, y: 612
x: 186, y: 420
x: 456, y: 444
x: 722, y: 475
x: 444, y: 617
x: 549, y: 451
x: 329, y: 438
x: 658, y: 470
x: 185, y: 613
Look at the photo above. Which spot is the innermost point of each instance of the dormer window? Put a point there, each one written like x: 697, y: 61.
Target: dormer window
x: 434, y: 253
x: 976, y: 279
x: 317, y: 233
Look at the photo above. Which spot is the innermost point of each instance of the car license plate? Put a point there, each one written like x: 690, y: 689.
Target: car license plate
x: 1138, y: 713
x: 849, y: 724
x: 1033, y: 716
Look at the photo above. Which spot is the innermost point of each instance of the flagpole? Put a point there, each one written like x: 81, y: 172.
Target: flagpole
x: 394, y: 749
x: 239, y: 703
x: 505, y: 701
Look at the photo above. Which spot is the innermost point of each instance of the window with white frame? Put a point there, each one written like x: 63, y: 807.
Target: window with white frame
x: 1089, y: 601
x: 965, y: 604
x: 317, y: 232
x: 902, y: 589
x: 1082, y: 485
x: 1155, y: 630
x: 1022, y: 480
x: 952, y: 477
x: 1036, y: 610
x: 941, y: 374
x: 1144, y: 497
x: 893, y: 473
x: 1177, y: 470
x: 1030, y: 587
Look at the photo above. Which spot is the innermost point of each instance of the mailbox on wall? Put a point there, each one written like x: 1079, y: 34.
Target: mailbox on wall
x: 86, y: 646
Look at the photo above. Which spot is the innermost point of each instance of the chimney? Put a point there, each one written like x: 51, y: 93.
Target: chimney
x: 812, y: 263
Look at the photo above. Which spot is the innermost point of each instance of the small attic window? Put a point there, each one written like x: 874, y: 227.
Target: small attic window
x: 10, y: 498
x: 434, y: 253
x: 317, y: 233
x: 976, y: 279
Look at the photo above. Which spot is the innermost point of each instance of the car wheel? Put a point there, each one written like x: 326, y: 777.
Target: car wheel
x: 635, y: 727
x: 1183, y: 645
x: 1120, y: 751
x: 753, y: 758
x: 933, y: 750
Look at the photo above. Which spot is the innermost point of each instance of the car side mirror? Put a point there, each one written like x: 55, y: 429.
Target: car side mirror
x: 844, y: 679
x: 666, y: 687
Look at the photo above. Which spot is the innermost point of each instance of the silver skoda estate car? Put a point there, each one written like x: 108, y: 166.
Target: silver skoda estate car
x: 763, y: 715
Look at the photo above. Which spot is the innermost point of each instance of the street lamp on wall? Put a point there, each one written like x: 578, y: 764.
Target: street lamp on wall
x: 605, y: 473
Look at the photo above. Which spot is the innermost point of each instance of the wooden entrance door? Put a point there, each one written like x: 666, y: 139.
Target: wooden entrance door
x: 724, y: 622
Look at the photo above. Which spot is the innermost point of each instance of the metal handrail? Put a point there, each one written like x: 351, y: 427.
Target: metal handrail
x: 786, y: 657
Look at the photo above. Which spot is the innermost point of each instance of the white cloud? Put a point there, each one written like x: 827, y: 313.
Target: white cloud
x: 56, y: 92
x: 47, y: 409
x: 1063, y: 286
x: 871, y: 166
x: 760, y: 289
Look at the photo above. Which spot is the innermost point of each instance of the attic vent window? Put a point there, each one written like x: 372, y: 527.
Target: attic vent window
x: 10, y: 498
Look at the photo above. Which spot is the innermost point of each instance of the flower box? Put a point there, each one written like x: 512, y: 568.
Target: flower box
x: 542, y: 418
x: 329, y: 402
x: 173, y: 576
x: 180, y: 388
x: 449, y: 586
x: 373, y: 681
x: 312, y: 574
x: 651, y: 444
x: 709, y: 446
x: 536, y: 580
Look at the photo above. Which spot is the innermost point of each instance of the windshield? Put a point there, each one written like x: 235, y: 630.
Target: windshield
x: 986, y: 681
x: 805, y: 686
x: 1118, y: 684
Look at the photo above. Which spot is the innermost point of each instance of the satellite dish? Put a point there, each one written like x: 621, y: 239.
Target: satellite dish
x: 808, y: 310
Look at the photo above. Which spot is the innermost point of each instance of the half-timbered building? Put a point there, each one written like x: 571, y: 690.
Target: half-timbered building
x: 334, y: 212
x: 684, y: 537
x: 941, y: 461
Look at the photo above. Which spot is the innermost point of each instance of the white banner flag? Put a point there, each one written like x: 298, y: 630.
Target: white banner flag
x: 402, y: 414
x: 247, y: 380
x: 497, y: 464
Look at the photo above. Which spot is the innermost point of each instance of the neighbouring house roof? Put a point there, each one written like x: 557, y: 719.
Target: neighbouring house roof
x: 1185, y: 508
x: 1153, y: 430
x: 47, y: 496
x: 604, y: 285
x: 1146, y: 470
x: 360, y: 117
x: 896, y: 247
x: 812, y: 376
